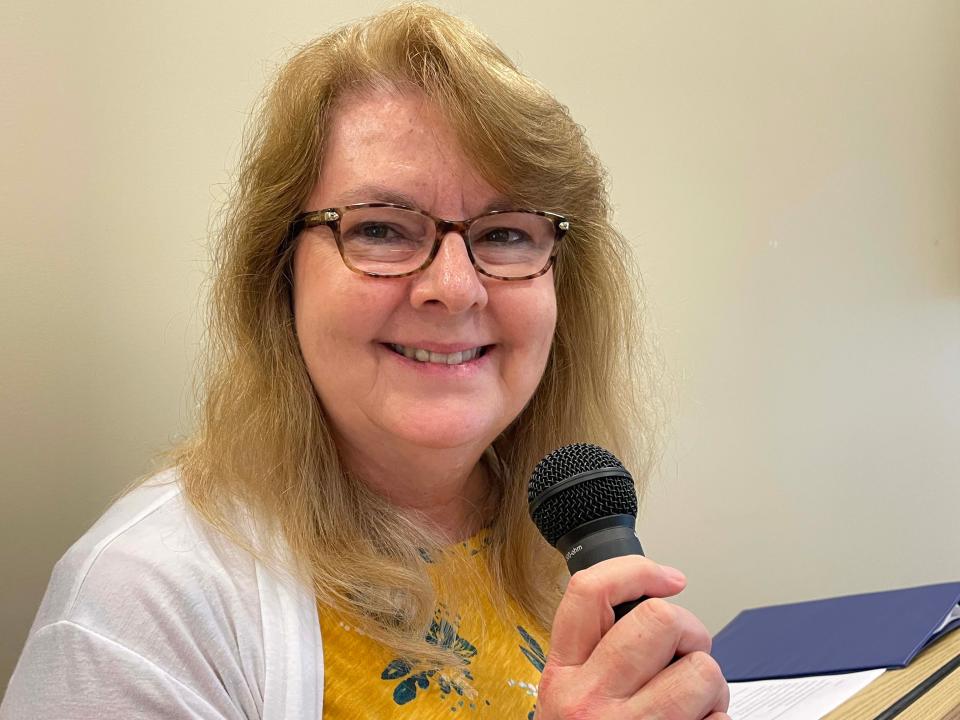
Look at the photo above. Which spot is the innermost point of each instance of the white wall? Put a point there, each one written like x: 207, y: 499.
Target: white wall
x: 789, y: 173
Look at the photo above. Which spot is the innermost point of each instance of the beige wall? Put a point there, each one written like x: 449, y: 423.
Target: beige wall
x: 788, y: 171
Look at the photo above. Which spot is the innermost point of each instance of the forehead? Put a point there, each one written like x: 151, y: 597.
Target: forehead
x: 388, y: 145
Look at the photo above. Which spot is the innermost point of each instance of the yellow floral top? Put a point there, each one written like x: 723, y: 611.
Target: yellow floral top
x: 504, y: 654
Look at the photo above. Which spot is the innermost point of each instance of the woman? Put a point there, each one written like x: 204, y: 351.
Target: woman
x: 346, y: 533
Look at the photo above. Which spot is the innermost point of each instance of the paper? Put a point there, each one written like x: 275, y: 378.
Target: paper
x: 807, y: 698
x: 954, y: 615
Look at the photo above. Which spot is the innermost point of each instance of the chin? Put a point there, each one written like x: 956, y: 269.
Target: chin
x: 446, y: 434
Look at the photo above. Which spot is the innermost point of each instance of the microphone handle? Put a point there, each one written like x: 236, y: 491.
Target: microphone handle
x: 623, y: 608
x: 598, y: 540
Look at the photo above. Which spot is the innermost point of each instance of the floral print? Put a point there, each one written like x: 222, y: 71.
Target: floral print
x: 500, y: 658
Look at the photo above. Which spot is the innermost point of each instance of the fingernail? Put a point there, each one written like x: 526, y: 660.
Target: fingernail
x: 673, y: 573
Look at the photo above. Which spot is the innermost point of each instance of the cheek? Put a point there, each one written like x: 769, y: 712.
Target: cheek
x: 313, y: 309
x: 542, y: 318
x: 335, y: 310
x: 533, y: 318
x: 549, y: 318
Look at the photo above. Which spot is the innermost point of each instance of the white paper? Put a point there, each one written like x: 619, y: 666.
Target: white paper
x: 808, y: 698
x: 951, y: 616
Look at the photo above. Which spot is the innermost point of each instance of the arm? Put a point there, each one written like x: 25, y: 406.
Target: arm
x: 70, y: 672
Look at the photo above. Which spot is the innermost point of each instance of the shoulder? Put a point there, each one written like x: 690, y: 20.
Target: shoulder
x: 152, y: 577
x: 149, y: 547
x: 153, y: 581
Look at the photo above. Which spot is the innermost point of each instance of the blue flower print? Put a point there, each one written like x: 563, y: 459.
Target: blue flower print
x: 533, y: 652
x: 443, y: 634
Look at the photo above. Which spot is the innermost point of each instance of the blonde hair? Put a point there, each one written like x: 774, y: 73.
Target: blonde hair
x: 263, y: 449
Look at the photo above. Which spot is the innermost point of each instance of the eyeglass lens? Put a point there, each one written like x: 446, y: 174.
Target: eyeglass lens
x: 394, y: 241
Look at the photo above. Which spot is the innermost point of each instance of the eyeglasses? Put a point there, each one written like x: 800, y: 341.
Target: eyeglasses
x: 387, y: 240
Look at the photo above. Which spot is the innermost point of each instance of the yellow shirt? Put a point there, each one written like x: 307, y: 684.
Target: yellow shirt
x: 504, y: 654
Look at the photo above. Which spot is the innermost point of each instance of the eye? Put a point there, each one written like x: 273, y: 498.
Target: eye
x: 504, y: 236
x: 378, y: 231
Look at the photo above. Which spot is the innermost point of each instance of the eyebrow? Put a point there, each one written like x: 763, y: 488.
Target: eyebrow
x: 381, y: 193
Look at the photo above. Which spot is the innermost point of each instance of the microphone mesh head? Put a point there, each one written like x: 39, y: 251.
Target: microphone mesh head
x: 584, y: 501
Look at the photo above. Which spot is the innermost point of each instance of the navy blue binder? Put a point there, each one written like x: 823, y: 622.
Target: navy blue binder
x: 836, y: 635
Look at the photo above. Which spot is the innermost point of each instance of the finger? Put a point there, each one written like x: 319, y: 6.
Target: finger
x: 692, y: 687
x: 698, y: 638
x: 585, y: 612
x: 641, y: 644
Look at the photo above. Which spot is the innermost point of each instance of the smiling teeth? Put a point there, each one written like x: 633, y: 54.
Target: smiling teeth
x: 421, y: 355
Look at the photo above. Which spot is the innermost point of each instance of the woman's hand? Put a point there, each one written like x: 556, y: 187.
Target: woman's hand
x: 598, y: 669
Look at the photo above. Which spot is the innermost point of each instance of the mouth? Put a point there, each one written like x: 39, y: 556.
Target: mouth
x: 437, y: 358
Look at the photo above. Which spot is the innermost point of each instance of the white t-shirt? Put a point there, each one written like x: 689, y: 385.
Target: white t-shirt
x: 152, y: 614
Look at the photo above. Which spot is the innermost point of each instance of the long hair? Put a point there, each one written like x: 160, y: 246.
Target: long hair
x: 263, y: 451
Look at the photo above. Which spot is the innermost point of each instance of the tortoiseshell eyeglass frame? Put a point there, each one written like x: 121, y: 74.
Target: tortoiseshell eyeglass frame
x: 330, y: 217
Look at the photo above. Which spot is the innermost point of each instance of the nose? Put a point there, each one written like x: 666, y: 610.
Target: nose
x: 450, y: 280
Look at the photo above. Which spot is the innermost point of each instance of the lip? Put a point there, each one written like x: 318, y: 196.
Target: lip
x: 445, y: 348
x: 461, y: 371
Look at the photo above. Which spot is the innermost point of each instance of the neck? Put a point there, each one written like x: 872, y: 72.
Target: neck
x: 449, y: 488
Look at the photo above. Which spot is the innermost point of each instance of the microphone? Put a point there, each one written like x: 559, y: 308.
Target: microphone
x: 583, y: 501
